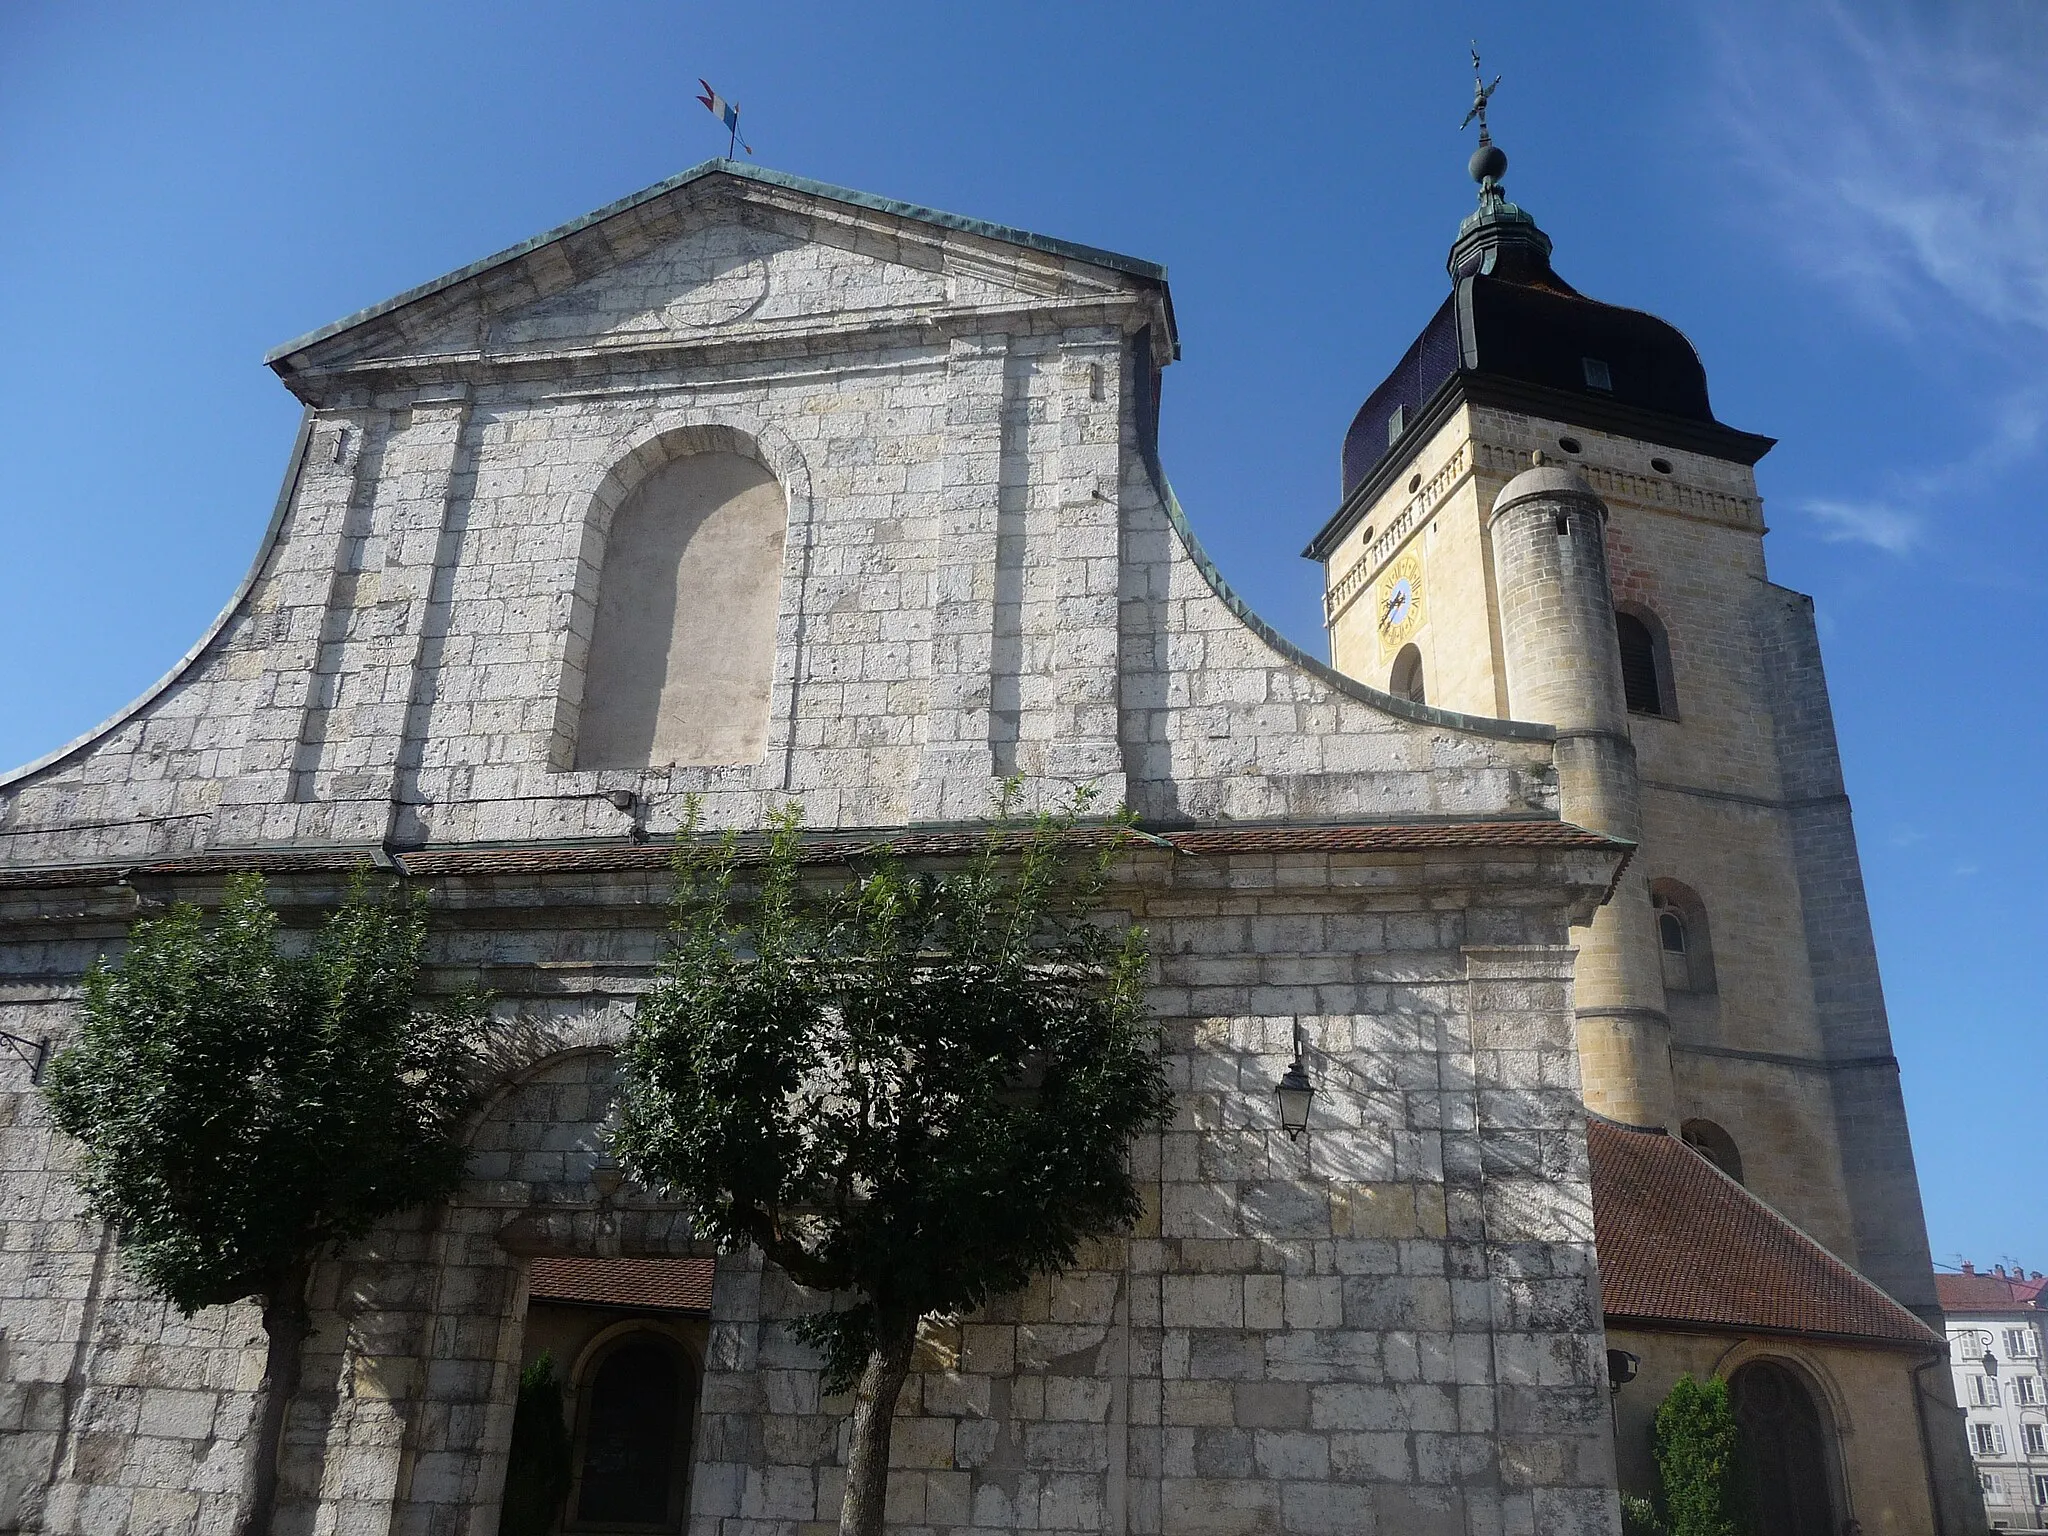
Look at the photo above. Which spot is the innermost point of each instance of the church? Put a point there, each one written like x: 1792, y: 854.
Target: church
x: 748, y: 490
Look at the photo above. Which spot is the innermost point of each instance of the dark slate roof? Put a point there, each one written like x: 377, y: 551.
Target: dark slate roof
x: 824, y: 847
x: 1682, y: 1243
x: 1973, y: 1292
x: 1513, y: 333
x: 1532, y: 335
x: 1149, y: 270
x: 662, y: 1285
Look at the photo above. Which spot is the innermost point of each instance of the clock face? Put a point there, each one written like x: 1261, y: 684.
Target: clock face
x: 1400, y: 603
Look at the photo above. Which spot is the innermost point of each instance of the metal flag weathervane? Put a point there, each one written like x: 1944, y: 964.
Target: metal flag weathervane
x: 727, y: 113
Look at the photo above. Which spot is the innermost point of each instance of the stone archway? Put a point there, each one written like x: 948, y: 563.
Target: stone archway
x: 1786, y: 1451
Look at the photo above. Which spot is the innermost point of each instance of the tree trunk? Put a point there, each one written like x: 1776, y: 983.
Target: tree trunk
x: 874, y: 1421
x: 285, y: 1323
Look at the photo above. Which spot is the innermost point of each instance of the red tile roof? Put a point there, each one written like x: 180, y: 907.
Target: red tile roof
x: 826, y: 847
x: 1988, y: 1293
x: 1681, y: 1242
x: 662, y: 1285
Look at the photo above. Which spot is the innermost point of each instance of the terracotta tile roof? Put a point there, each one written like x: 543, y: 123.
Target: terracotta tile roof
x: 280, y: 860
x: 1681, y: 1242
x: 1972, y: 1292
x: 663, y: 1285
x: 827, y: 847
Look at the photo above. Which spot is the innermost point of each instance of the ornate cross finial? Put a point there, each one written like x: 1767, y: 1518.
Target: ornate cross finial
x: 1482, y: 93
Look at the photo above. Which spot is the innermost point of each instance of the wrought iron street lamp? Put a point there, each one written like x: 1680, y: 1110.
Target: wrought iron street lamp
x: 1295, y: 1093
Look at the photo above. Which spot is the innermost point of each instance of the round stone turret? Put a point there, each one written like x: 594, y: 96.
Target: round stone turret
x: 1564, y: 668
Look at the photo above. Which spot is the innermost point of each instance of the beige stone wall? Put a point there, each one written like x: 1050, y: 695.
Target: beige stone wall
x: 1749, y: 1054
x: 1865, y: 1397
x: 1432, y: 518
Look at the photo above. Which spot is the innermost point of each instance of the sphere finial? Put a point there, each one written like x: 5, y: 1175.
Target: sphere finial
x: 1489, y: 161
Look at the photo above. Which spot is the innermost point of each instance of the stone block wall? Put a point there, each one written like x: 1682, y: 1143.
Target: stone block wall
x: 1392, y: 1324
x: 978, y: 577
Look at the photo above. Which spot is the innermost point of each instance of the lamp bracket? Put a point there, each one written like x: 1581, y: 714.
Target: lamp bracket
x: 33, y: 1054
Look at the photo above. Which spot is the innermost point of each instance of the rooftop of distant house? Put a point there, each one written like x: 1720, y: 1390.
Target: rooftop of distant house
x: 1996, y: 1290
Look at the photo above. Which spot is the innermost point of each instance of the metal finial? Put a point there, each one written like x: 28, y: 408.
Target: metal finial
x: 1489, y: 162
x: 1482, y: 93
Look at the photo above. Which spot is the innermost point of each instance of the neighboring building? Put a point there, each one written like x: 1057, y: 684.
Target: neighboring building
x: 755, y: 490
x: 1728, y: 995
x: 1997, y: 1330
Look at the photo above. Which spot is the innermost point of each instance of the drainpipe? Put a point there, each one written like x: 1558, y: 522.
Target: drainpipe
x: 1934, y: 1499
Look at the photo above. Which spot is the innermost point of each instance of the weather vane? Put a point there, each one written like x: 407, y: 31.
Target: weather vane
x: 1482, y: 93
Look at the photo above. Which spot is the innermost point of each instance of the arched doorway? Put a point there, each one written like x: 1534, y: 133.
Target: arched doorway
x: 1785, y: 1451
x: 632, y: 1436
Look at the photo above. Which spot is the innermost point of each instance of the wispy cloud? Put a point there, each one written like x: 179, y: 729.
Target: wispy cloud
x: 1900, y: 149
x: 1890, y: 529
x: 1895, y: 151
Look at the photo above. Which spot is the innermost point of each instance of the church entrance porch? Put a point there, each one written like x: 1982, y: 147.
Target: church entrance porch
x: 627, y: 1339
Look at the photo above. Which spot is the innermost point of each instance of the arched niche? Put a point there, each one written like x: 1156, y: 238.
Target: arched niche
x: 1714, y: 1144
x: 1406, y: 680
x: 1684, y: 940
x: 680, y: 659
x: 1645, y: 661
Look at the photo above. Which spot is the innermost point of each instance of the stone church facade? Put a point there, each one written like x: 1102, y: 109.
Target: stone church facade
x: 760, y: 491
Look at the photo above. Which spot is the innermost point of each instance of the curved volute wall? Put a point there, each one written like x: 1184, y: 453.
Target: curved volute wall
x: 1563, y: 668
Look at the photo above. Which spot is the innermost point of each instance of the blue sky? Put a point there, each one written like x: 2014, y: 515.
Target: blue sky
x: 1843, y: 209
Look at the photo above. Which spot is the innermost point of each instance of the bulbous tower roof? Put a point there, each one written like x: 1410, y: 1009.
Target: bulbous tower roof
x: 1512, y: 332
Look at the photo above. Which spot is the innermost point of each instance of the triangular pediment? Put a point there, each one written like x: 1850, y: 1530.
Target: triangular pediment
x: 721, y: 252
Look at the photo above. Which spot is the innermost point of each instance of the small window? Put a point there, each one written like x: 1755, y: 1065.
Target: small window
x: 2040, y: 1489
x: 1570, y: 445
x: 1972, y: 1344
x: 1396, y: 425
x: 1984, y: 1391
x: 1639, y: 681
x: 1406, y: 681
x: 1714, y: 1144
x: 2025, y: 1389
x: 2019, y: 1343
x: 1684, y: 942
x: 1414, y: 484
x: 1597, y: 374
x: 1987, y: 1439
x: 2034, y: 1439
x: 1671, y: 944
x: 1662, y: 466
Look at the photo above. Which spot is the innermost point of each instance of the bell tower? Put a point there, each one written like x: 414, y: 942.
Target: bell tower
x: 1542, y: 518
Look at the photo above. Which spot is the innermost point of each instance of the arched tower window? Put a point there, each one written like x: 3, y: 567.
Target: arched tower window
x: 1645, y: 662
x: 632, y: 1437
x: 1715, y: 1145
x: 1785, y: 1451
x: 682, y: 649
x: 1682, y: 938
x: 1406, y: 681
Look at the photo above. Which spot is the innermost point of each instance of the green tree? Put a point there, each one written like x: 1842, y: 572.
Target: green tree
x: 911, y: 1090
x: 537, y: 1468
x: 241, y: 1108
x: 1697, y: 1446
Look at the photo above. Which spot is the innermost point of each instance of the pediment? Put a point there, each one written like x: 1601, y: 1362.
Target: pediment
x: 715, y: 255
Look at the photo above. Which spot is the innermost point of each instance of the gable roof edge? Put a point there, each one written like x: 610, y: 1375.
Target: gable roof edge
x: 1149, y: 271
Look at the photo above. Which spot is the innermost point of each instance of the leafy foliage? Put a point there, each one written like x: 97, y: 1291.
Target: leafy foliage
x: 1639, y: 1517
x: 917, y: 1089
x: 1696, y: 1445
x: 537, y: 1469
x: 239, y: 1107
